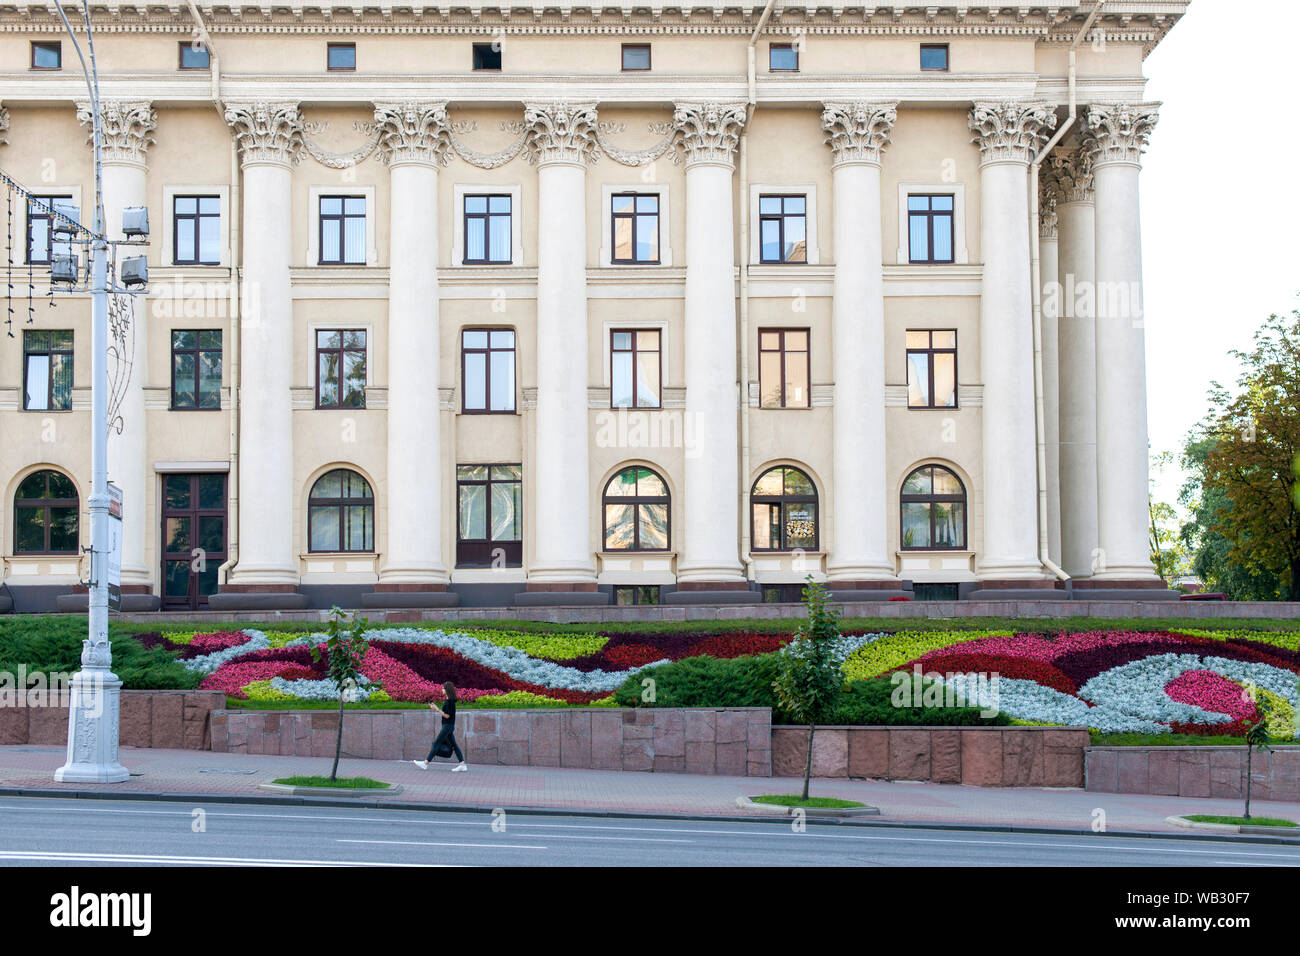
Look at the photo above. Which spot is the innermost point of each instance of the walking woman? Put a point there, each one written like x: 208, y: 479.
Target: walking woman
x: 444, y: 745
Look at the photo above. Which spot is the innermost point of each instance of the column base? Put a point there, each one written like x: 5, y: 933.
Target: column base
x: 410, y: 595
x: 712, y: 592
x: 849, y: 592
x: 135, y: 597
x: 1022, y: 589
x: 561, y: 594
x: 1124, y: 589
x: 258, y: 597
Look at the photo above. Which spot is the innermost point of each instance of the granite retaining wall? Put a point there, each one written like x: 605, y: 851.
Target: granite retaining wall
x: 1195, y: 772
x: 977, y: 756
x: 726, y: 741
x: 173, y: 719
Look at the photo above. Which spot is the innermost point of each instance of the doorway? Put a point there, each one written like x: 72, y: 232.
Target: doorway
x: 193, y: 538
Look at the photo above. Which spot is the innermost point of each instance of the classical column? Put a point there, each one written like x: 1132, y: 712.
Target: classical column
x: 1008, y: 134
x: 414, y: 142
x: 1116, y: 136
x: 859, y: 566
x: 269, y: 138
x: 1070, y: 169
x: 127, y: 129
x: 1048, y: 264
x: 709, y: 568
x: 561, y: 140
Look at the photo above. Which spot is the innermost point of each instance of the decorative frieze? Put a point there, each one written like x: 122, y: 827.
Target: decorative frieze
x: 1068, y: 174
x: 710, y: 131
x: 560, y: 133
x: 1011, y: 131
x: 1118, y: 132
x: 858, y: 132
x: 126, y: 127
x: 267, y: 132
x: 413, y: 132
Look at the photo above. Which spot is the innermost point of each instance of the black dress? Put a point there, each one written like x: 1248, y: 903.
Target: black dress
x: 446, y: 736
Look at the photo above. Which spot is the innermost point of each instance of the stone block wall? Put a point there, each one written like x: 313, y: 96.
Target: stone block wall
x: 173, y: 719
x: 725, y: 741
x: 1195, y: 772
x: 978, y: 756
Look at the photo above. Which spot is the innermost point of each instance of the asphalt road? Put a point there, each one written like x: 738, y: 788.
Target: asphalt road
x: 37, y: 831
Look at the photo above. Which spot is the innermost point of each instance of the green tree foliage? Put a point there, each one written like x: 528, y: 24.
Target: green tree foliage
x: 809, y: 679
x: 1169, y: 552
x: 1241, y: 493
x: 345, y: 650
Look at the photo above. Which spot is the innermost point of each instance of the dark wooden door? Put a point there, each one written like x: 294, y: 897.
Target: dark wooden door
x: 193, y: 537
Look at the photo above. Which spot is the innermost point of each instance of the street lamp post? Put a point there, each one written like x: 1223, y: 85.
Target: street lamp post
x: 95, y: 697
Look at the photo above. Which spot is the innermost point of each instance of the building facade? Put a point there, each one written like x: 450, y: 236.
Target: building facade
x: 569, y: 305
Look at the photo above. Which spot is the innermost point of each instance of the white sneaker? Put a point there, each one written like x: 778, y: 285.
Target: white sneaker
x: 422, y: 764
x: 460, y: 768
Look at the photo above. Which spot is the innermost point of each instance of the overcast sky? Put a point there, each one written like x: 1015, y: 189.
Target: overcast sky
x: 1220, y: 202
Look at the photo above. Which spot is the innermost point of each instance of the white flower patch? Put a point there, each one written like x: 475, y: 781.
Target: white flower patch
x: 849, y: 643
x: 208, y: 663
x: 305, y: 689
x: 1030, y: 700
x: 509, y: 660
x: 1138, y: 688
x: 1275, y: 680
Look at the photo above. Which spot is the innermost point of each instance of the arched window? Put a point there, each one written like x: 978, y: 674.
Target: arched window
x: 933, y: 510
x: 45, y: 515
x: 341, y: 513
x: 783, y: 510
x: 636, y: 511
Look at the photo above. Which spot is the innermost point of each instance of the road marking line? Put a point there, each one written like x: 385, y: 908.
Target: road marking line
x: 58, y: 856
x: 491, y: 846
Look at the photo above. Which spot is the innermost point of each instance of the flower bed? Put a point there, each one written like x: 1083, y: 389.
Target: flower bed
x: 1151, y: 682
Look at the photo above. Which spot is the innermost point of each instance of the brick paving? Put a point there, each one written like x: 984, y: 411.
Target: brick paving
x: 205, y: 774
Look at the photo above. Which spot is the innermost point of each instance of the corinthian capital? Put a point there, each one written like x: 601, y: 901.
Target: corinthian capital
x: 560, y: 133
x: 1118, y: 132
x: 1047, y: 217
x: 1011, y: 131
x: 413, y: 133
x: 267, y: 132
x: 1068, y: 174
x: 4, y: 126
x: 709, y: 131
x: 859, y: 132
x: 127, y: 129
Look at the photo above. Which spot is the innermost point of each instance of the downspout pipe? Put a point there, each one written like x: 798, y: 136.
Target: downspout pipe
x: 1036, y: 291
x: 232, y: 310
x: 743, y: 337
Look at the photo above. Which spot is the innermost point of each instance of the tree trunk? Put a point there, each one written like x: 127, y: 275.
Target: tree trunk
x: 338, y: 742
x: 807, y: 766
x: 1249, y: 753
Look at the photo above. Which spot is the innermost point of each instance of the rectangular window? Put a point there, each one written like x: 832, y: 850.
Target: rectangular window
x: 40, y: 244
x: 487, y: 56
x: 47, y: 371
x: 487, y: 370
x: 934, y: 56
x: 341, y: 56
x: 932, y: 369
x: 340, y: 368
x: 783, y: 228
x: 636, y: 594
x: 930, y: 228
x: 634, y: 224
x: 489, y: 516
x: 196, y: 369
x: 782, y: 57
x: 634, y: 368
x: 487, y: 230
x: 783, y: 368
x: 636, y: 56
x: 342, y: 230
x: 194, y: 56
x: 196, y: 230
x: 47, y: 55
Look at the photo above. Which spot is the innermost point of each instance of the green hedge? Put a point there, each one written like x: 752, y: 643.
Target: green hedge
x: 49, y: 644
x: 747, y: 682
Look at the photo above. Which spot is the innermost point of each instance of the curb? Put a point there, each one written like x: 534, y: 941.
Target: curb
x: 776, y: 809
x: 372, y: 804
x: 1233, y: 827
x: 297, y: 791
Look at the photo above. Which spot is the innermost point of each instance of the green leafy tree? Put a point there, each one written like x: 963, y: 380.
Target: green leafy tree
x: 345, y: 650
x: 1242, y: 457
x: 1256, y: 739
x: 809, y: 677
x: 1169, y: 552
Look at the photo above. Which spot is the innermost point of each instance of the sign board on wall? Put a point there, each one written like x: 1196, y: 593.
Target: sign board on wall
x: 113, y: 566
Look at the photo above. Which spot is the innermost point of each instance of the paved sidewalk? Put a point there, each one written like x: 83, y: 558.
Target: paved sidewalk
x: 204, y: 774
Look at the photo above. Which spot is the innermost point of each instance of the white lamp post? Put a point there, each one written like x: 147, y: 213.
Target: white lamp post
x: 96, y: 692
